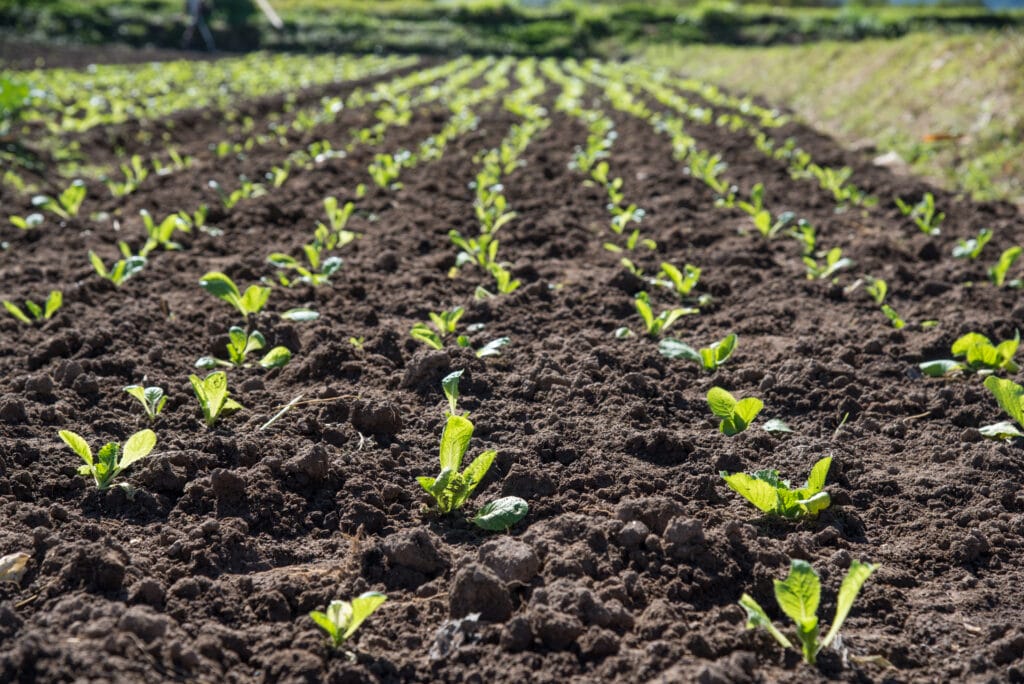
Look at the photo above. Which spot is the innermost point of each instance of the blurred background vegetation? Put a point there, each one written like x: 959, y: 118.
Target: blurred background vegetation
x: 940, y: 84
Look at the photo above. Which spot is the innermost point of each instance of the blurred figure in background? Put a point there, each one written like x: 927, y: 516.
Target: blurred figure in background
x: 237, y: 14
x: 198, y: 12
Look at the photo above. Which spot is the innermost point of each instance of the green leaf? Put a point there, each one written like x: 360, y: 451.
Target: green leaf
x: 798, y: 596
x: 137, y: 447
x: 300, y: 315
x: 674, y: 349
x: 421, y: 333
x: 324, y: 622
x: 815, y: 504
x: 819, y: 472
x: 1002, y: 430
x: 940, y: 368
x: 220, y: 286
x: 450, y: 385
x: 454, y: 442
x: 1008, y: 394
x: 254, y: 299
x: 34, y: 309
x: 54, y: 302
x: 756, y: 617
x: 77, y: 444
x: 851, y: 586
x: 747, y: 410
x: 721, y: 402
x: 492, y: 348
x: 362, y: 607
x: 755, y: 490
x: 477, y: 470
x: 13, y: 309
x: 276, y: 357
x: 965, y: 343
x: 501, y: 514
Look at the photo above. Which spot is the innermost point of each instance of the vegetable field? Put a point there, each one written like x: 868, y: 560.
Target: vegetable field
x: 489, y: 369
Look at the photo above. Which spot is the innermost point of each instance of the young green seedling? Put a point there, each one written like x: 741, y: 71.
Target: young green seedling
x: 773, y: 495
x: 798, y: 596
x: 893, y: 316
x: 1010, y: 397
x: 29, y: 222
x: 151, y: 398
x: 445, y: 324
x: 710, y: 358
x: 451, y: 489
x: 997, y: 272
x: 924, y: 214
x: 123, y: 269
x: 160, y: 234
x: 343, y: 618
x: 980, y: 356
x: 656, y: 325
x: 877, y: 289
x: 736, y: 414
x: 768, y: 227
x: 66, y: 204
x: 212, y: 393
x: 37, y: 313
x: 222, y: 287
x: 240, y: 345
x: 111, y: 460
x: 682, y: 281
x: 834, y: 262
x: 971, y: 247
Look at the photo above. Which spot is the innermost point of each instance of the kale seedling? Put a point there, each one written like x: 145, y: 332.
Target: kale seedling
x: 445, y: 322
x: 735, y: 415
x: 1010, y: 397
x: 773, y: 495
x: 893, y: 317
x: 240, y: 345
x: 222, y: 287
x: 877, y: 289
x: 769, y: 228
x: 924, y: 214
x: 151, y: 398
x: 450, y: 489
x: 997, y: 272
x: 38, y: 313
x: 160, y: 234
x: 111, y: 459
x: 212, y: 393
x: 980, y: 355
x: 123, y: 269
x: 710, y: 358
x: 798, y: 596
x: 343, y: 618
x: 971, y: 247
x: 656, y: 325
x: 682, y: 281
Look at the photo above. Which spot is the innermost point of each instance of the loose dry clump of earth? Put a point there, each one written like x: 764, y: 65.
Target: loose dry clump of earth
x: 634, y: 553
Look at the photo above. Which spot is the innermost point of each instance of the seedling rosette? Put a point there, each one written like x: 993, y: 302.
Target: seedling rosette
x: 773, y: 495
x: 343, y: 618
x: 112, y: 459
x: 451, y: 489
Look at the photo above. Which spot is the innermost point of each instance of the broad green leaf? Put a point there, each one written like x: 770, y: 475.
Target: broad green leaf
x: 1008, y: 395
x: 422, y: 333
x: 477, y: 470
x: 756, y: 617
x: 674, y: 349
x: 747, y: 409
x: 34, y: 309
x: 492, y: 348
x: 362, y: 607
x: 450, y: 385
x: 758, y: 492
x: 724, y: 349
x: 325, y: 624
x: 852, y: 583
x: 276, y: 357
x: 154, y: 396
x: 964, y: 344
x: 819, y: 472
x: 137, y: 447
x: 220, y: 286
x: 501, y: 514
x: 798, y: 595
x: 300, y: 315
x: 454, y: 441
x: 77, y: 444
x: 254, y: 299
x: 721, y: 402
x: 1002, y: 430
x: 940, y: 368
x: 644, y: 309
x: 136, y: 391
x: 815, y: 504
x: 13, y: 309
x: 237, y: 337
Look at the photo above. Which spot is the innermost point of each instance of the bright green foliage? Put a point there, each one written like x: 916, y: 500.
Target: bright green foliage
x: 834, y: 262
x: 337, y: 216
x: 710, y: 358
x: 151, y: 398
x: 971, y: 247
x: 980, y: 355
x: 124, y: 268
x: 893, y: 317
x: 799, y: 596
x: 66, y: 204
x: 769, y: 227
x: 111, y: 459
x: 1010, y: 397
x: 15, y: 97
x: 37, y: 313
x: 924, y: 214
x: 450, y: 489
x: 240, y: 345
x: 222, y: 287
x: 29, y: 222
x: 450, y: 385
x: 997, y: 272
x: 343, y: 618
x: 877, y: 289
x: 160, y: 234
x: 213, y: 396
x: 503, y: 280
x: 736, y: 414
x: 446, y: 321
x: 656, y: 325
x: 682, y: 281
x: 773, y: 495
x: 501, y: 514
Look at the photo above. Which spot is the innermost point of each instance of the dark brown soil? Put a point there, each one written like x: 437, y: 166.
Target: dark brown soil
x: 630, y: 563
